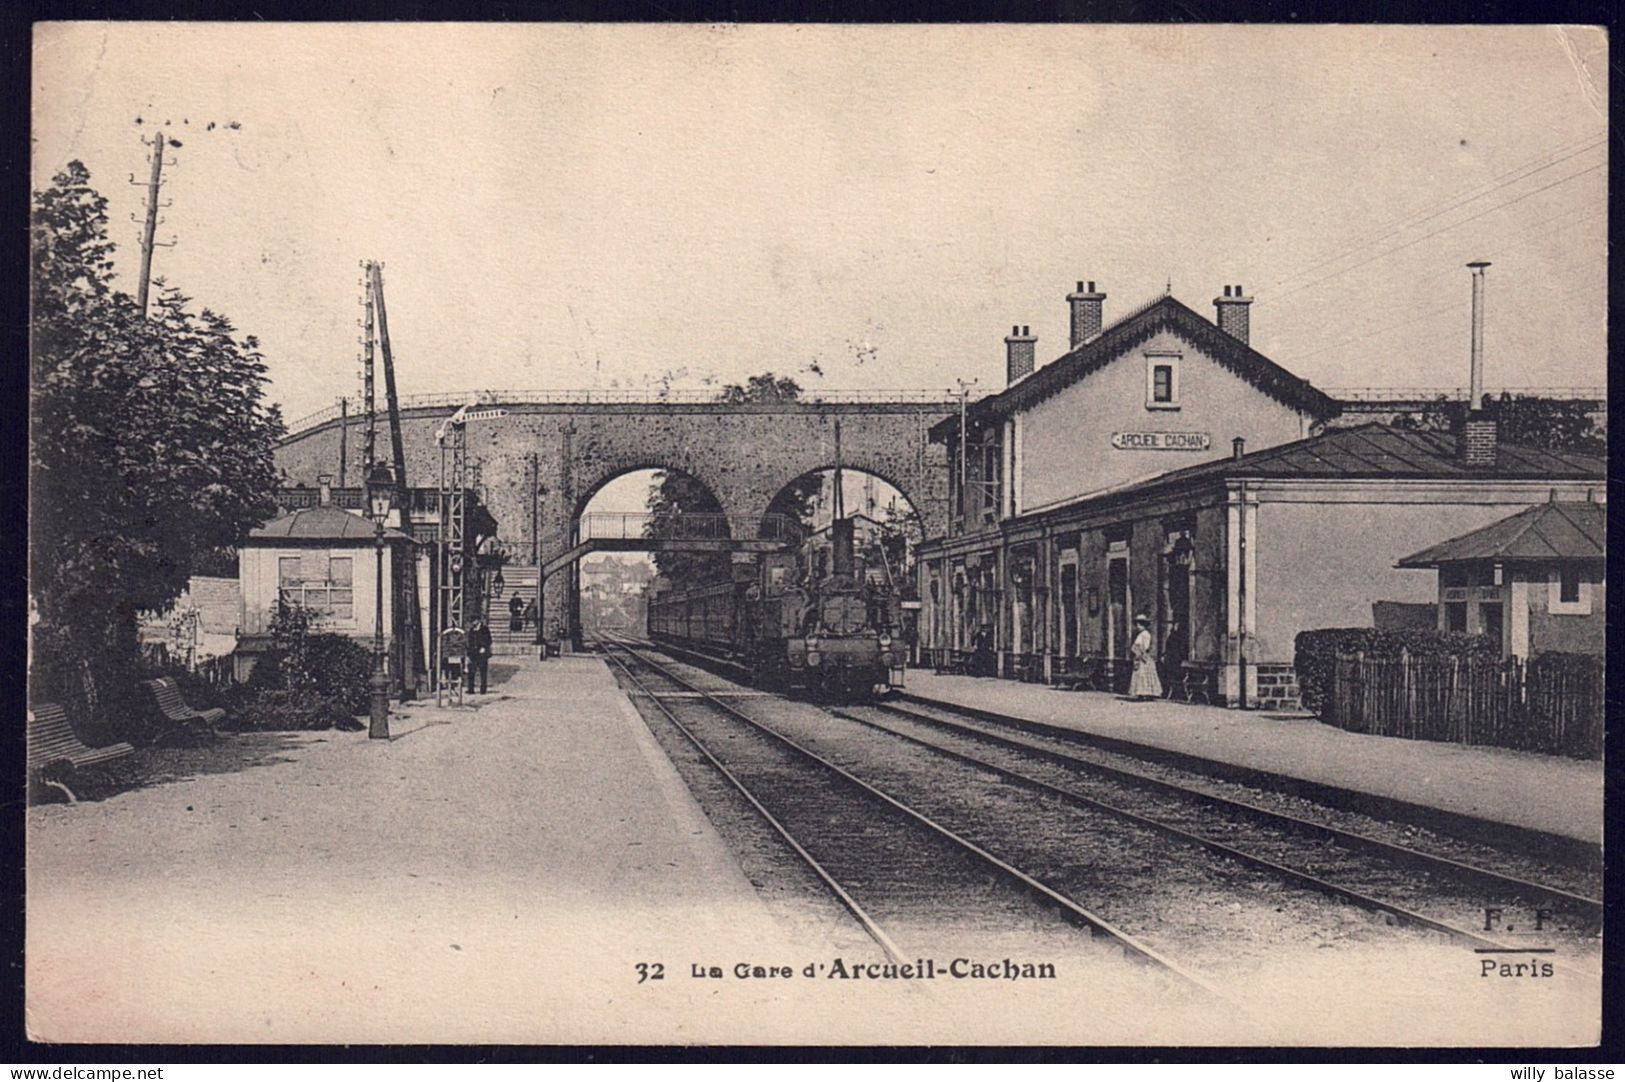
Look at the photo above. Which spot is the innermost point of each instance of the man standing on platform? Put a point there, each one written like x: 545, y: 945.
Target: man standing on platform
x: 479, y: 655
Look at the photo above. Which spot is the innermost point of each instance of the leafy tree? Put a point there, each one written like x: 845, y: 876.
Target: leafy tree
x: 679, y: 494
x: 1553, y: 424
x: 150, y: 446
x: 766, y: 387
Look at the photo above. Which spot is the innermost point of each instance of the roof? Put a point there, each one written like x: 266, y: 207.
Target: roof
x: 1372, y: 451
x: 1548, y: 531
x: 321, y: 524
x: 1164, y: 313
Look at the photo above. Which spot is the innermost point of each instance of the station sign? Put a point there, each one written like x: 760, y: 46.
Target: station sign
x: 1161, y: 441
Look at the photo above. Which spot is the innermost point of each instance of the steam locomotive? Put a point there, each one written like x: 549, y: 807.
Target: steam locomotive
x: 794, y: 620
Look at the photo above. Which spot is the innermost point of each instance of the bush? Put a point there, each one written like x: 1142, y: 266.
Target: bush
x: 315, y: 663
x: 340, y: 669
x: 1315, y: 652
x: 278, y: 709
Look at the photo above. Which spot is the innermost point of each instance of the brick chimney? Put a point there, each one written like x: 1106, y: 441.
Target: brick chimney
x: 1019, y: 350
x: 1476, y: 444
x: 324, y: 484
x: 1230, y: 312
x: 1088, y: 310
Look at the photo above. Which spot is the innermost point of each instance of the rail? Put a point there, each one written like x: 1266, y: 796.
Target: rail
x: 690, y: 526
x: 617, y: 397
x: 1459, y: 394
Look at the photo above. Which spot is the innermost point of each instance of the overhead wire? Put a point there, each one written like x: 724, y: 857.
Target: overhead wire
x: 1442, y: 229
x: 1425, y: 214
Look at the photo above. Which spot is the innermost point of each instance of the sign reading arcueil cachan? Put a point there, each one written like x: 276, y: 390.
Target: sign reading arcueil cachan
x: 1161, y: 441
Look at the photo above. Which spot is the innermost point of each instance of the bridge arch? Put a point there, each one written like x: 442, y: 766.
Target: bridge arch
x: 575, y: 443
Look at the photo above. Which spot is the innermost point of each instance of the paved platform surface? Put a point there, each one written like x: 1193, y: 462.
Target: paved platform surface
x: 1539, y: 792
x: 490, y: 874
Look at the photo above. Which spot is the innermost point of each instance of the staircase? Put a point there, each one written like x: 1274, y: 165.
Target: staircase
x: 519, y: 582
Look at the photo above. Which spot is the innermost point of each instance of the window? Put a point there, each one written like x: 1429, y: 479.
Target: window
x: 1162, y: 381
x: 1570, y: 591
x: 319, y: 582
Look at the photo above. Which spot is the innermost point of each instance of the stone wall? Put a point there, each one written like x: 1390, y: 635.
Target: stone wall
x: 743, y: 454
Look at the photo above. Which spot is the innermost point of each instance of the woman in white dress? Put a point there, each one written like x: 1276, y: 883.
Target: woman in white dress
x: 1144, y: 683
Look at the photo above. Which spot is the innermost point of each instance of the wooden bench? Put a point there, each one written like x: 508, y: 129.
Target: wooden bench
x: 175, y: 710
x: 1079, y: 673
x: 1191, y: 683
x: 954, y: 663
x: 55, y: 750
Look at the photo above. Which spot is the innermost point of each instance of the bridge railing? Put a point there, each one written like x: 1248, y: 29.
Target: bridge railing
x: 639, y: 525
x: 1459, y: 394
x: 616, y: 397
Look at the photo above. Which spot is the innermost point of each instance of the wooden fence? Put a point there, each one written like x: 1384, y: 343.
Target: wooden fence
x: 1552, y: 705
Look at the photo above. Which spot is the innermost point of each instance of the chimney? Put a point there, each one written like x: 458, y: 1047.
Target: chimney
x: 1238, y: 448
x: 1230, y: 313
x: 1088, y: 310
x: 324, y: 482
x: 1019, y: 349
x: 1479, y: 431
x: 1475, y: 393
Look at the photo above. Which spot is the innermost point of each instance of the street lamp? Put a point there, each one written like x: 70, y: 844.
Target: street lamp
x: 380, y: 491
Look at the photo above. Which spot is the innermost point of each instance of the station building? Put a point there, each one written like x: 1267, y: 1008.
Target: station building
x: 1163, y: 466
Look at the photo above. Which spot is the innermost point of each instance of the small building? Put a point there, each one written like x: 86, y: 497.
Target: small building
x: 1533, y: 582
x: 324, y: 559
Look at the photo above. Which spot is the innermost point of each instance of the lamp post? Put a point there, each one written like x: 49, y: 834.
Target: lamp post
x: 380, y: 490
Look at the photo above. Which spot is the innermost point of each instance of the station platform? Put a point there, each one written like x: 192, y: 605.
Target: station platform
x: 1495, y: 794
x: 493, y: 873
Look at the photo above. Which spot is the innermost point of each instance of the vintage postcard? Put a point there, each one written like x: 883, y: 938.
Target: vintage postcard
x: 832, y: 535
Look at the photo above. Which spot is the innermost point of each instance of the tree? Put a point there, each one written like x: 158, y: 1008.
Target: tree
x: 766, y: 387
x: 151, y: 446
x: 1553, y: 424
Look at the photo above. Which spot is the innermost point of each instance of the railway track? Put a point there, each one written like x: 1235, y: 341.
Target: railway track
x: 1410, y: 885
x: 899, y: 871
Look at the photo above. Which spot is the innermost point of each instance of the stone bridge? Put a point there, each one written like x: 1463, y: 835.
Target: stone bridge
x: 743, y: 453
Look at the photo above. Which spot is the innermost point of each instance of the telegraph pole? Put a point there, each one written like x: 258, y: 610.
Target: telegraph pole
x: 964, y: 393
x: 159, y: 143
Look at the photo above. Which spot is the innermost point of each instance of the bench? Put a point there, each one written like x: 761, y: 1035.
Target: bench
x: 953, y: 663
x: 1078, y: 673
x: 175, y: 710
x: 55, y: 750
x: 1026, y: 668
x: 1191, y: 683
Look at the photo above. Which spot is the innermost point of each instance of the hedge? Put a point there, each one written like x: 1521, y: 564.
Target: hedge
x: 1315, y: 652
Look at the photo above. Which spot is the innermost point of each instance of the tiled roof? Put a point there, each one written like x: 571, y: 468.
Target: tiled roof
x: 1548, y: 531
x: 1164, y: 313
x: 321, y: 524
x: 1382, y: 451
x: 1367, y: 452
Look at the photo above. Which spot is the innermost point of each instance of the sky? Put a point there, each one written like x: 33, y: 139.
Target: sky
x: 569, y: 207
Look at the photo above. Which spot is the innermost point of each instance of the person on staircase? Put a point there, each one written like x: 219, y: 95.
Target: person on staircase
x: 516, y: 613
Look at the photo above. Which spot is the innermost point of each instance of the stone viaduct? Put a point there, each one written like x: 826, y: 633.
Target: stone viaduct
x: 743, y: 453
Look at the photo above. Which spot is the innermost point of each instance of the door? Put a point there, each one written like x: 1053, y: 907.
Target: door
x: 1117, y: 615
x: 1069, y: 610
x: 1490, y: 618
x: 1176, y: 614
